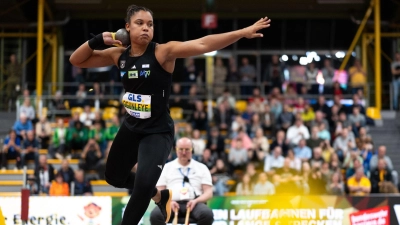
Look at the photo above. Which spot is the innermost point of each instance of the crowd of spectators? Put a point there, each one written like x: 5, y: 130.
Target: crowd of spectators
x: 281, y: 142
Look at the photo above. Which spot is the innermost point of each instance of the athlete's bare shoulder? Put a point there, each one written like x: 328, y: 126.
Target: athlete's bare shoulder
x: 161, y: 52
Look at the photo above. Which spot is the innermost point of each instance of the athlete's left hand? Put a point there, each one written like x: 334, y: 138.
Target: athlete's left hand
x: 191, y: 204
x: 251, y: 31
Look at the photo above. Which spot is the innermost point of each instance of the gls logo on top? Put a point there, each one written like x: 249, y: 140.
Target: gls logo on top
x: 145, y: 73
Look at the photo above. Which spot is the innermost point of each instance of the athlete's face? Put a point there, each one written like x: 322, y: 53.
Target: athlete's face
x: 140, y: 27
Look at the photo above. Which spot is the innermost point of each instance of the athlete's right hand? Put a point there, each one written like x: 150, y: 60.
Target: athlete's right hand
x: 109, y: 40
x: 174, y: 206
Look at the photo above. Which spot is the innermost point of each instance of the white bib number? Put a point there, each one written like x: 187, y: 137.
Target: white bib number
x: 137, y: 105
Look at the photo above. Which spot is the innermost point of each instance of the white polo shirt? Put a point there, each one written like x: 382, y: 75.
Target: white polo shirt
x: 173, y: 174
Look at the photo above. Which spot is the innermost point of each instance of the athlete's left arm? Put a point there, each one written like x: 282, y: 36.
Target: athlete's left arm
x: 173, y: 50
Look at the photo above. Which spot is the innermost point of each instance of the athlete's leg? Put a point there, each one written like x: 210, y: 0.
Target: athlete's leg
x: 153, y: 152
x: 121, y: 159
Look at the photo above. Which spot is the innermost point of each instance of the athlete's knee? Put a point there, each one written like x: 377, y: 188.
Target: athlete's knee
x: 115, y: 182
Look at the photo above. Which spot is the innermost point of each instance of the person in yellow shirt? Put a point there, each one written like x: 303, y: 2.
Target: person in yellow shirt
x: 358, y: 76
x: 359, y: 184
x: 59, y: 187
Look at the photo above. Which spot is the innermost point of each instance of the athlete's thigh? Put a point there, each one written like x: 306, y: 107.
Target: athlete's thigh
x: 123, y: 153
x: 153, y: 153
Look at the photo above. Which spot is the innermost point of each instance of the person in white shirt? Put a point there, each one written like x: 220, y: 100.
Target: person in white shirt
x: 274, y: 161
x: 263, y: 186
x: 238, y: 155
x: 191, y: 185
x: 28, y: 109
x: 87, y: 116
x: 297, y: 132
x: 198, y: 144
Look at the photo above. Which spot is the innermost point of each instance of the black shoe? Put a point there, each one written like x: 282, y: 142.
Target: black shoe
x: 165, y: 204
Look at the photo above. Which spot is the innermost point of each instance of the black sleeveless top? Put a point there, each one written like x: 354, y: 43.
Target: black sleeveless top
x: 144, y: 75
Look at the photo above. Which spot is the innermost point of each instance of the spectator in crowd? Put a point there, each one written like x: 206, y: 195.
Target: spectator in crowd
x: 44, y: 174
x: 316, y: 180
x: 22, y: 126
x: 193, y: 193
x: 297, y: 132
x: 268, y: 120
x: 276, y: 107
x: 227, y: 96
x: 28, y: 110
x: 82, y: 186
x: 323, y: 133
x: 198, y: 144
x: 31, y: 185
x: 90, y: 156
x: 223, y: 116
x: 334, y: 162
x: 77, y: 136
x: 11, y: 150
x: 327, y: 150
x: 302, y: 181
x: 314, y: 140
x: 190, y: 72
x: 359, y: 184
x: 285, y: 179
x: 274, y: 161
x: 311, y: 75
x: 237, y: 156
x: 193, y: 98
x: 175, y: 99
x: 98, y: 134
x: 96, y: 94
x: 98, y: 119
x: 58, y: 146
x: 237, y: 125
x: 260, y: 145
x: 245, y: 187
x: 337, y: 89
x: 14, y: 72
x: 343, y: 144
x: 75, y: 118
x: 67, y: 172
x: 247, y: 114
x: 216, y: 143
x: 357, y: 120
x: 233, y: 77
x: 358, y: 76
x: 87, y: 116
x: 199, y: 117
x: 219, y: 177
x: 326, y: 171
x: 81, y: 95
x: 263, y: 186
x: 379, y: 176
x: 322, y: 106
x: 43, y: 132
x: 302, y: 151
x: 257, y: 106
x: 246, y: 141
x: 254, y: 125
x: 208, y: 159
x: 30, y: 149
x: 335, y: 185
x: 307, y: 115
x: 382, y: 155
x: 111, y: 131
x: 319, y: 119
x: 220, y: 74
x: 247, y: 74
x: 363, y: 136
x: 317, y: 157
x: 396, y: 80
x: 58, y: 102
x: 280, y: 141
x: 328, y: 72
x: 366, y: 152
x: 58, y: 186
x: 295, y: 163
x: 299, y: 105
x: 352, y: 162
x: 273, y: 76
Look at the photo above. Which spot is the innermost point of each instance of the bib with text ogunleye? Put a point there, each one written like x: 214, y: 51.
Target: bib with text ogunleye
x: 137, y: 105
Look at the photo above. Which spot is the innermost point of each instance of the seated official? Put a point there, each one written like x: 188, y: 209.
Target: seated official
x: 191, y: 185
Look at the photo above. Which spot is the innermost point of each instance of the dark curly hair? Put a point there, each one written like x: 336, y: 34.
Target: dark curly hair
x: 132, y: 9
